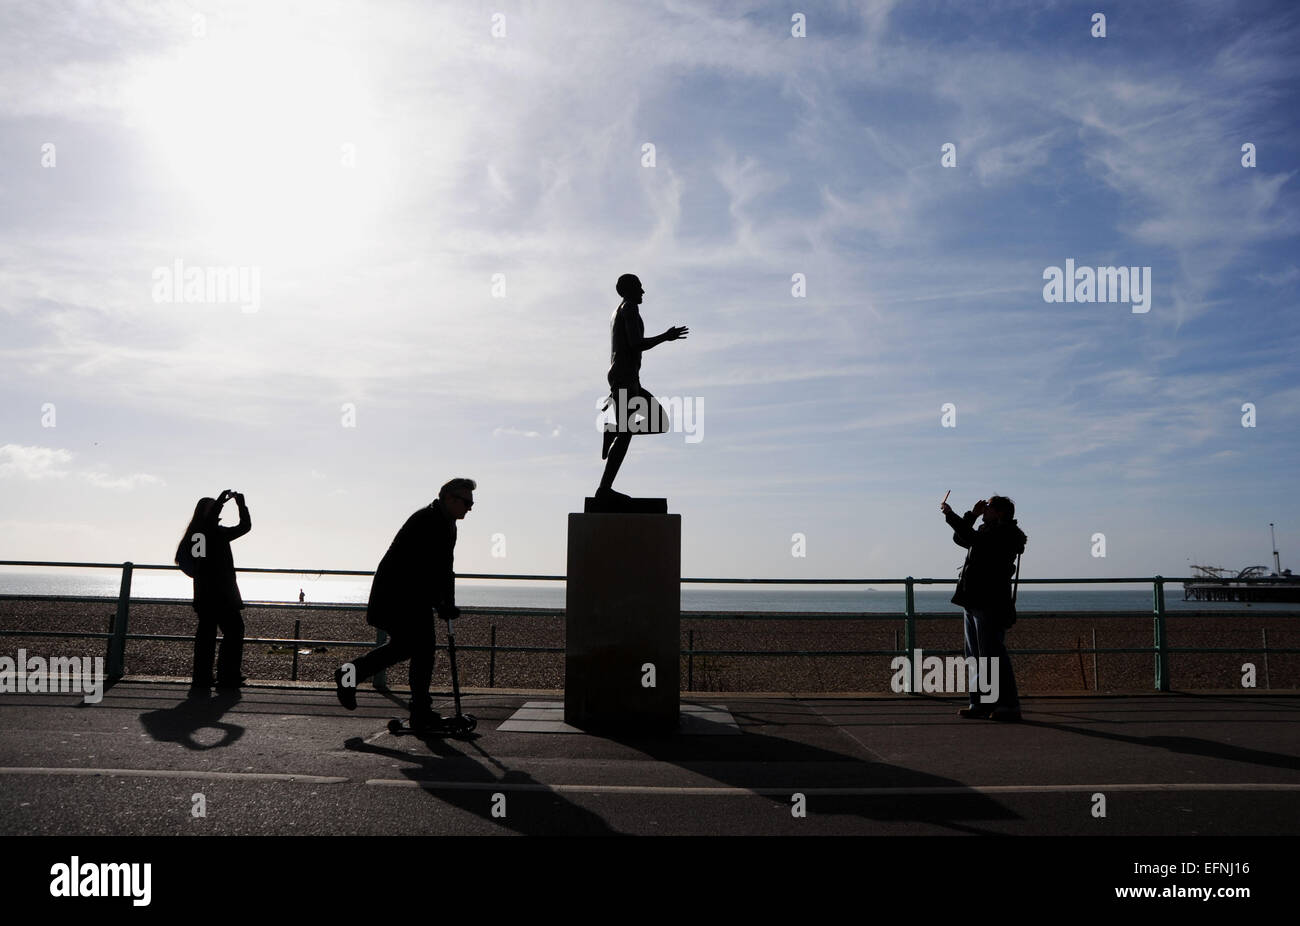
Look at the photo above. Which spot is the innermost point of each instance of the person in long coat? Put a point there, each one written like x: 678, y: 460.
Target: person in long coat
x: 414, y: 579
x: 204, y: 553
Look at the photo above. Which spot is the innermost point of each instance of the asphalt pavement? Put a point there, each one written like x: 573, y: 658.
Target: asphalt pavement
x: 289, y: 760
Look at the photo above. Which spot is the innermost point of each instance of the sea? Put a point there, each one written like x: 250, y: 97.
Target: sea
x: 319, y: 589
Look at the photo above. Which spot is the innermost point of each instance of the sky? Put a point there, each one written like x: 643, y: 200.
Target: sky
x: 429, y: 205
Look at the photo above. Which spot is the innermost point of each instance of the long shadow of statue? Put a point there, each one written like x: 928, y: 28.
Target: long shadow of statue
x: 183, y: 723
x: 768, y: 760
x: 455, y: 777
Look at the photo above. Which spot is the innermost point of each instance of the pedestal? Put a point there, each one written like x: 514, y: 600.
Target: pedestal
x: 622, y: 664
x: 625, y: 505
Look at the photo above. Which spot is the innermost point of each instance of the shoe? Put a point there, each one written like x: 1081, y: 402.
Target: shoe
x: 347, y: 695
x: 233, y: 685
x: 975, y: 713
x: 199, y: 693
x: 426, y: 721
x: 1006, y: 715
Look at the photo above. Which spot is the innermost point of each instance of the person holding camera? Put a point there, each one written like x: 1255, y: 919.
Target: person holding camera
x: 415, y: 578
x: 204, y: 555
x: 984, y: 592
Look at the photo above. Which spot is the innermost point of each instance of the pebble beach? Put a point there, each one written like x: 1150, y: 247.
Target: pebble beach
x: 801, y: 643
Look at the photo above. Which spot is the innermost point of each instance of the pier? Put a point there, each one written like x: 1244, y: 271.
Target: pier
x: 1273, y: 589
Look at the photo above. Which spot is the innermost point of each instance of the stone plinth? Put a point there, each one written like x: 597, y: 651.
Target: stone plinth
x: 622, y: 622
x: 625, y: 505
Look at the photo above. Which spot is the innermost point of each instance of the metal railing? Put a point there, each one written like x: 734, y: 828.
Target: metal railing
x: 118, y: 634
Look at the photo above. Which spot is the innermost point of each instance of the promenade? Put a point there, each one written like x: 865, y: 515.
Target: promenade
x: 286, y: 759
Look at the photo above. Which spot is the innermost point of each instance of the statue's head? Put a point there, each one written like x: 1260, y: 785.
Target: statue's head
x: 629, y: 287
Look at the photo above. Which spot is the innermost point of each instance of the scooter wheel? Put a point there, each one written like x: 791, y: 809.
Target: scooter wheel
x: 394, y: 726
x: 465, y: 724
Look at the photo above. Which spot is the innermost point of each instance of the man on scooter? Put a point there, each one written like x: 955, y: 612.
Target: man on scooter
x: 402, y: 599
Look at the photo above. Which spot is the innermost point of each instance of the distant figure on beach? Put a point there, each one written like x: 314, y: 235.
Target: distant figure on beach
x: 414, y: 578
x: 636, y: 410
x: 302, y: 597
x: 204, y: 555
x: 984, y: 592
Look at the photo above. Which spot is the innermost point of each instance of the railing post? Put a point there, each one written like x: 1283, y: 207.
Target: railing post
x: 909, y: 619
x: 1162, y: 657
x: 690, y: 660
x: 1096, y: 679
x: 1267, y: 682
x: 297, y: 635
x: 117, y: 642
x: 492, y: 659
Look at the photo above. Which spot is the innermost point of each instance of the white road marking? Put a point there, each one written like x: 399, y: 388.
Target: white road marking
x: 173, y: 773
x: 704, y: 790
x: 720, y: 791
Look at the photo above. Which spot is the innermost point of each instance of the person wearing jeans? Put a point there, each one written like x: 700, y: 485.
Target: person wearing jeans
x: 985, y: 638
x: 984, y: 592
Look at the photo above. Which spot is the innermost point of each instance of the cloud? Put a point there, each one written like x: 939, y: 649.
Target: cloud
x: 521, y: 156
x: 122, y: 483
x: 33, y: 462
x: 1019, y: 160
x: 38, y: 463
x: 1282, y: 279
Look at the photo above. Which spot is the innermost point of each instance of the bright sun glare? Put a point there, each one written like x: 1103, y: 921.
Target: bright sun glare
x: 255, y: 129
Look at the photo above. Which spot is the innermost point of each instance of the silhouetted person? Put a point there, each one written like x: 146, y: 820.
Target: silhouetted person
x: 414, y: 578
x: 302, y: 597
x: 204, y: 554
x: 636, y: 410
x: 984, y: 591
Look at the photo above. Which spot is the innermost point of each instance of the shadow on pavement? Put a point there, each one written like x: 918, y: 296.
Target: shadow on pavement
x: 767, y: 756
x: 182, y: 723
x: 544, y: 812
x: 1189, y: 745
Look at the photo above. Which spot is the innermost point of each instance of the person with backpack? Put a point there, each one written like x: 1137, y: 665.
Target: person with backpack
x: 204, y: 555
x: 985, y: 592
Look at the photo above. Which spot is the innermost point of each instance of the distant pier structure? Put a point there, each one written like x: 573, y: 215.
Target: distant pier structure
x: 1213, y: 583
x: 1254, y: 583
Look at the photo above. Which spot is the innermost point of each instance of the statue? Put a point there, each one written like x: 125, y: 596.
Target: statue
x: 636, y: 411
